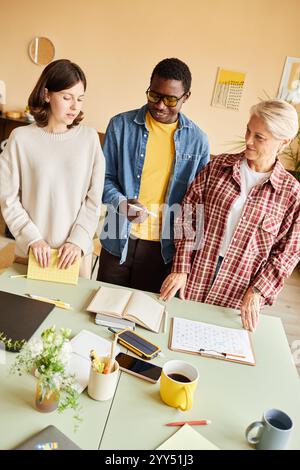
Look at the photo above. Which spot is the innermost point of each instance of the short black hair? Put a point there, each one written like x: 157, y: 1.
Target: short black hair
x: 174, y: 69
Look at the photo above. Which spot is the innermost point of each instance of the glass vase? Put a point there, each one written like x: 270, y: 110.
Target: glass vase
x: 46, y: 399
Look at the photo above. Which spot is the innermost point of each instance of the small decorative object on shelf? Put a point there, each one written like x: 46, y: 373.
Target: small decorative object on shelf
x: 13, y: 114
x: 49, y: 356
x: 27, y: 114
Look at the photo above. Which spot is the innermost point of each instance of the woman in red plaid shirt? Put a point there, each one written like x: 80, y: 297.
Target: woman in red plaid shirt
x: 238, y: 233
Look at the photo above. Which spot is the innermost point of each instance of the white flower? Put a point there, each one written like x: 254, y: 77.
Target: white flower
x: 56, y: 379
x: 66, y: 331
x: 35, y: 346
x: 58, y: 340
x: 65, y: 353
x: 50, y: 338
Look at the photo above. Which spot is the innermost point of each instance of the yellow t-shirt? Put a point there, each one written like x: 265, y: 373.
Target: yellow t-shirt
x: 155, y: 176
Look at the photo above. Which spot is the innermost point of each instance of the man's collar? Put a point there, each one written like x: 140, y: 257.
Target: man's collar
x: 140, y: 118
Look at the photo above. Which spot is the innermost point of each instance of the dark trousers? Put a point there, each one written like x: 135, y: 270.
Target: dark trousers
x: 144, y: 268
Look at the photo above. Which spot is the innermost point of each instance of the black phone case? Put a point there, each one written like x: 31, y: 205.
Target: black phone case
x: 138, y: 345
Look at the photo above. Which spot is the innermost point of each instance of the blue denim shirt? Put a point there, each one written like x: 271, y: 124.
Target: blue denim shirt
x: 124, y: 150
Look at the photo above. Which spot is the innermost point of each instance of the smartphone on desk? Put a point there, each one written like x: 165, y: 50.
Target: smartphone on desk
x: 138, y: 345
x: 138, y: 367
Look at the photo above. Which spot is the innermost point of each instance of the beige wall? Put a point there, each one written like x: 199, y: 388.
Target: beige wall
x: 118, y: 42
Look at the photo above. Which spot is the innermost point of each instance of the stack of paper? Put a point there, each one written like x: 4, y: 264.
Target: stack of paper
x: 118, y: 323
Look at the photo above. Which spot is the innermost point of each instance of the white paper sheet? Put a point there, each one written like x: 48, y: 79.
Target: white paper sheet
x: 186, y: 438
x: 218, y: 341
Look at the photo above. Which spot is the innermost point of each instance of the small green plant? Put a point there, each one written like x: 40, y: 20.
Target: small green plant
x: 292, y: 152
x: 49, y: 356
x: 10, y: 345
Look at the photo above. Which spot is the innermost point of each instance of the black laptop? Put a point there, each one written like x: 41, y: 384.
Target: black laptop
x: 20, y: 316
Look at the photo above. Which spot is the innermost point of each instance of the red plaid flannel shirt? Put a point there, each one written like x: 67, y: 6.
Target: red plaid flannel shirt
x: 265, y: 246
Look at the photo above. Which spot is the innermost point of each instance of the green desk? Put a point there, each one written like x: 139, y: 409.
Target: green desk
x: 231, y: 395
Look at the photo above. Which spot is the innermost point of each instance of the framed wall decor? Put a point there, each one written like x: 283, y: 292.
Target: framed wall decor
x: 289, y: 88
x: 228, y: 89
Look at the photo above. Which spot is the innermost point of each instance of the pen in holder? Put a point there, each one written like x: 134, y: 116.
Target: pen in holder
x: 103, y: 374
x: 111, y: 359
x: 101, y: 385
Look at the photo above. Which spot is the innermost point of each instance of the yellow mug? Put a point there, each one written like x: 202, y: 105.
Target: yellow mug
x: 178, y: 383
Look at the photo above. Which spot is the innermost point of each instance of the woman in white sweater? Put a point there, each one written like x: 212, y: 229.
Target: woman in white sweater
x: 52, y: 172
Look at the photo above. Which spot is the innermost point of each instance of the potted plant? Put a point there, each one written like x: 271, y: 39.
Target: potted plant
x: 49, y: 356
x: 292, y: 153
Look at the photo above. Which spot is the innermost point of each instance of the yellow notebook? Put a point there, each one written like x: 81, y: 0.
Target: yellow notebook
x: 52, y: 273
x: 186, y: 438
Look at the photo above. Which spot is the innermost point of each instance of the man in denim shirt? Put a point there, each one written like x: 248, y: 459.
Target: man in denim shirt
x: 152, y: 155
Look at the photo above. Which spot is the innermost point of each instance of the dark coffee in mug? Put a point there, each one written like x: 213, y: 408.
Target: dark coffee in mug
x: 277, y: 424
x: 179, y: 377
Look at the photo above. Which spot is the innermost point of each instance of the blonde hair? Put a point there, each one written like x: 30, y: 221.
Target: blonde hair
x: 280, y: 117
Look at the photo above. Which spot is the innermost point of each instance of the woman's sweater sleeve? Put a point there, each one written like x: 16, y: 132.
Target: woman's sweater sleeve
x: 14, y: 214
x: 86, y: 223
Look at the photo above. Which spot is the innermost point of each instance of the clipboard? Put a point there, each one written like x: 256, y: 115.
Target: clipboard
x: 247, y: 359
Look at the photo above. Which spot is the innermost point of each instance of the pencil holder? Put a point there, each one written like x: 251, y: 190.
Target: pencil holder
x: 102, y: 387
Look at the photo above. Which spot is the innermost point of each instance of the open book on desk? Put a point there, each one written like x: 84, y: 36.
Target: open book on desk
x: 229, y: 344
x: 134, y: 306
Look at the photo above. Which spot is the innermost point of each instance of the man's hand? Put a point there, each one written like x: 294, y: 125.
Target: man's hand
x: 134, y: 211
x: 41, y: 252
x: 250, y: 309
x: 173, y: 283
x: 68, y: 253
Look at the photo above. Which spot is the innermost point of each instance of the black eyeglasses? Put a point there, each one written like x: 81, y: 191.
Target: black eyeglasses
x: 169, y: 101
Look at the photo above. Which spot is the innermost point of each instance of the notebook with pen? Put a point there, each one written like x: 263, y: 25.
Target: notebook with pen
x: 204, y: 339
x: 52, y: 273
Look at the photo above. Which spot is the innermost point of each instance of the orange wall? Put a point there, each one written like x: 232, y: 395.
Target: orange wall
x: 118, y: 42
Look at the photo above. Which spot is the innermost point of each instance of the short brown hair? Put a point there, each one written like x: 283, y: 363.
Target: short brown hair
x: 59, y: 75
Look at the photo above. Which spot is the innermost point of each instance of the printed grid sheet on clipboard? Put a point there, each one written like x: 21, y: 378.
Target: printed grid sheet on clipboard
x: 191, y: 336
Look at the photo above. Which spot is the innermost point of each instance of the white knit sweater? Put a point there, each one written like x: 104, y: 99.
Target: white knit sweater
x: 51, y: 186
